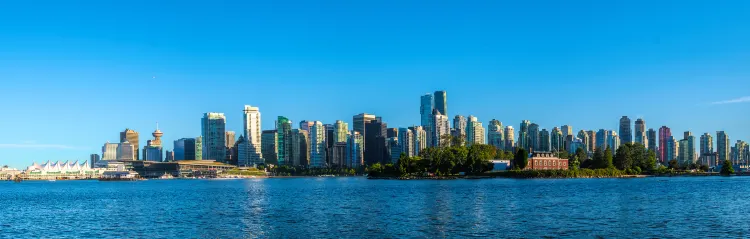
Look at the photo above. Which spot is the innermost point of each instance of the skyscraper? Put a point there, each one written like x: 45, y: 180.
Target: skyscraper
x: 94, y: 158
x: 557, y: 140
x: 269, y: 146
x: 683, y: 156
x: 509, y: 138
x: 707, y: 144
x: 425, y: 110
x: 722, y: 146
x: 652, y: 140
x: 340, y: 131
x: 375, y: 148
x: 185, y: 149
x: 741, y: 153
x: 230, y: 140
x: 359, y: 122
x: 284, y: 135
x: 614, y: 141
x: 544, y: 141
x: 354, y: 152
x: 440, y: 127
x: 109, y: 151
x: 242, y: 152
x: 640, y: 132
x: 252, y: 130
x: 585, y: 140
x: 461, y: 127
x: 495, y: 134
x: 602, y: 139
x: 441, y: 102
x: 317, y: 145
x: 131, y: 136
x: 566, y: 130
x: 213, y: 132
x: 125, y: 151
x: 534, y: 143
x: 420, y: 139
x: 406, y: 141
x: 523, y: 135
x: 626, y: 134
x: 689, y: 149
x: 592, y: 140
x: 475, y: 131
x: 300, y: 147
x: 665, y: 137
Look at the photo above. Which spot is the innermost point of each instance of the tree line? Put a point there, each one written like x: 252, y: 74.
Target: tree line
x: 440, y: 161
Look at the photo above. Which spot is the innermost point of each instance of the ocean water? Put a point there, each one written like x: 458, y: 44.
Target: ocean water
x: 682, y: 207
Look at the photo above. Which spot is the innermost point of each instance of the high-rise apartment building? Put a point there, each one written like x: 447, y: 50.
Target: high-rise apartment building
x: 523, y: 135
x: 340, y: 131
x: 534, y: 144
x: 300, y: 147
x: 126, y: 151
x: 566, y: 130
x: 557, y: 140
x: 406, y: 141
x: 626, y: 133
x: 251, y: 126
x: 683, y: 156
x: 689, y: 149
x: 129, y: 135
x: 592, y: 140
x: 475, y: 131
x: 722, y: 145
x: 213, y: 132
x: 420, y: 139
x: 602, y: 139
x: 375, y: 148
x: 425, y: 110
x: 665, y: 137
x: 652, y: 142
x: 509, y: 138
x: 495, y: 134
x: 707, y: 144
x: 354, y: 152
x: 440, y: 128
x: 640, y: 132
x: 317, y: 145
x: 544, y: 141
x: 461, y: 129
x: 585, y: 140
x: 614, y: 141
x: 441, y: 102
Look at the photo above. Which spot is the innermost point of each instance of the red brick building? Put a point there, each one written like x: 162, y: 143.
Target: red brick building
x: 546, y: 161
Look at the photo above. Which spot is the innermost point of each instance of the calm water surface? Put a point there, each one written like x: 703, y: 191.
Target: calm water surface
x: 360, y: 208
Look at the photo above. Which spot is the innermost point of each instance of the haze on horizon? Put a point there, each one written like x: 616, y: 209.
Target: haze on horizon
x: 74, y: 76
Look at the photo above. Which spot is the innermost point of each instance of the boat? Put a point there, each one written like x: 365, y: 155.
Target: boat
x: 52, y: 180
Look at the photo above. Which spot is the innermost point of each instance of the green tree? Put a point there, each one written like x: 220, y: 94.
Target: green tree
x: 624, y: 157
x: 404, y: 164
x: 726, y: 168
x: 673, y: 164
x: 563, y: 155
x: 581, y: 155
x: 598, y: 161
x: 607, y: 158
x: 521, y: 158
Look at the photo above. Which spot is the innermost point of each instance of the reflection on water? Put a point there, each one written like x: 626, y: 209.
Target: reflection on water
x: 361, y: 208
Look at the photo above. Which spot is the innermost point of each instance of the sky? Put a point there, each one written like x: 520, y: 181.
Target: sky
x: 73, y: 74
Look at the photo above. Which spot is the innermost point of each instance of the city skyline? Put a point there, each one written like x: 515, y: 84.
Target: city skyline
x: 72, y: 81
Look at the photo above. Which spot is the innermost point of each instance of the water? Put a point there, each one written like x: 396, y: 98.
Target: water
x: 695, y: 207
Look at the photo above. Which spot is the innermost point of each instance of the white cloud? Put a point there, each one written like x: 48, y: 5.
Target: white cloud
x: 36, y: 146
x: 732, y: 101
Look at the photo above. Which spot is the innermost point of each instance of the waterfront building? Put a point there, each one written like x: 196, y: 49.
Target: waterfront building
x: 592, y: 140
x: 359, y: 122
x: 710, y: 159
x: 230, y: 140
x: 652, y: 141
x: 566, y: 130
x: 670, y: 149
x: 626, y: 134
x: 375, y: 147
x: 269, y: 146
x: 689, y: 149
x: 109, y: 151
x: 707, y: 144
x: 557, y: 140
x: 125, y: 151
x: 740, y: 153
x: 420, y: 139
x: 475, y: 131
x: 440, y: 127
x: 509, y: 138
x: 300, y: 147
x: 394, y: 149
x: 665, y: 135
x: 586, y: 141
x: 94, y: 158
x: 354, y: 152
x: 61, y: 170
x: 722, y: 145
x: 213, y: 132
x: 338, y: 154
x: 683, y: 158
x: 546, y: 161
x: 253, y: 135
x: 317, y: 145
x: 340, y: 131
x: 187, y: 149
x: 544, y: 141
x: 243, y: 152
x: 495, y: 134
x: 406, y: 141
x: 131, y: 136
x: 441, y: 102
x: 284, y: 144
x: 640, y: 132
x: 461, y: 128
x: 534, y: 142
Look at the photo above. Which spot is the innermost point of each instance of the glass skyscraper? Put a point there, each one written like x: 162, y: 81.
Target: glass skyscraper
x: 213, y: 132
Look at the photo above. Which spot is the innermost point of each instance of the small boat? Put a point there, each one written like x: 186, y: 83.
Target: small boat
x: 52, y: 180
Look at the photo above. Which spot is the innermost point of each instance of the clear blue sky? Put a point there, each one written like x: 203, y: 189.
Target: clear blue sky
x: 75, y: 73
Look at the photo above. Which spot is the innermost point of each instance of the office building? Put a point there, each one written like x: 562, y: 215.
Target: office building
x: 169, y: 156
x: 125, y: 151
x: 354, y: 152
x: 652, y: 141
x: 94, y: 158
x: 640, y: 132
x: 707, y: 144
x: 425, y: 110
x: 153, y: 149
x: 131, y: 136
x: 338, y: 155
x: 394, y: 149
x: 300, y: 147
x: 375, y: 148
x: 722, y: 145
x: 689, y: 147
x: 626, y: 133
x: 544, y: 141
x: 557, y: 139
x: 406, y: 141
x: 186, y: 149
x: 213, y: 132
x: 534, y: 142
x: 566, y: 130
x: 495, y: 134
x: 109, y: 151
x: 340, y: 131
x: 269, y: 146
x: 441, y: 102
x: 602, y: 139
x: 284, y: 143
